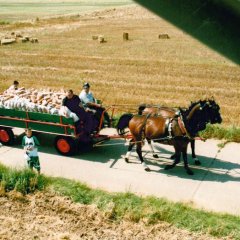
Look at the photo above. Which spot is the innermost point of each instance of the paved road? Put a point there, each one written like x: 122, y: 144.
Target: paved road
x: 215, y: 184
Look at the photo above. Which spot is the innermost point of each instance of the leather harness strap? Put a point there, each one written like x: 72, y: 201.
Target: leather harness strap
x: 144, y: 126
x: 183, y: 128
x: 168, y: 127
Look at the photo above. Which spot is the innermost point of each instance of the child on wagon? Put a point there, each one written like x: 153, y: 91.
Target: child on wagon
x: 30, y: 143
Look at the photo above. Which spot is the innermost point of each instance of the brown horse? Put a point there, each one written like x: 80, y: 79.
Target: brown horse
x: 166, y: 112
x: 178, y: 131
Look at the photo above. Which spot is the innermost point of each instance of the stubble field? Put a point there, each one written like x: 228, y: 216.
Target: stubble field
x: 145, y: 69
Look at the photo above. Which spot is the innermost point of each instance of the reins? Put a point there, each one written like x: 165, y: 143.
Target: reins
x: 155, y: 139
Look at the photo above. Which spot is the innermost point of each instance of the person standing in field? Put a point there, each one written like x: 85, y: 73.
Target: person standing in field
x: 14, y: 87
x: 30, y: 145
x: 90, y: 104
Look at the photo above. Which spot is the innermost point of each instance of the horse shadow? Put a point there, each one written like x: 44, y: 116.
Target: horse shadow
x: 211, y: 168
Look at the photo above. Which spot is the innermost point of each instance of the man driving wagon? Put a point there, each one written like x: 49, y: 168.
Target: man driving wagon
x: 91, y: 104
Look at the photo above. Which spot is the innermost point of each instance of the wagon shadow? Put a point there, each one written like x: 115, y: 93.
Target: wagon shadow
x: 103, y: 153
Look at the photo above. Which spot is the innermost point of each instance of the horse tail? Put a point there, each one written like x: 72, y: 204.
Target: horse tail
x: 123, y: 122
x: 141, y: 108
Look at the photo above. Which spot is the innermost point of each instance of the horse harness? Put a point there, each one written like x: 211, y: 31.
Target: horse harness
x: 168, y: 127
x: 169, y: 124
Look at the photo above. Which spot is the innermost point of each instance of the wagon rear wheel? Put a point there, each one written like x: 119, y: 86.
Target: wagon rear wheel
x: 65, y: 145
x: 6, y: 136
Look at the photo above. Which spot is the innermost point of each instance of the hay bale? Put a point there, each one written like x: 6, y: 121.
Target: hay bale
x: 27, y: 38
x: 163, y: 36
x: 101, y: 39
x: 8, y: 37
x: 8, y: 41
x: 34, y: 40
x: 23, y: 40
x: 125, y: 36
x: 94, y: 37
x: 19, y: 35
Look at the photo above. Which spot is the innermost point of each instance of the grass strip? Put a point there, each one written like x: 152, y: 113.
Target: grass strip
x: 23, y: 181
x: 151, y: 210
x: 229, y: 134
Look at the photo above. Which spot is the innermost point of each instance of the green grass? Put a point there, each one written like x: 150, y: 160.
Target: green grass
x: 130, y: 207
x: 24, y: 181
x: 229, y: 134
x: 127, y: 206
x: 2, y: 22
x: 15, y: 10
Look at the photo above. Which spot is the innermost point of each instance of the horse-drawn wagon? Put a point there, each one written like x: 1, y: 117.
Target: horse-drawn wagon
x: 67, y: 138
x: 179, y: 129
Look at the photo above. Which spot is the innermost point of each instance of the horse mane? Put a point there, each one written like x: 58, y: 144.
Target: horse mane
x: 194, y: 104
x: 186, y: 111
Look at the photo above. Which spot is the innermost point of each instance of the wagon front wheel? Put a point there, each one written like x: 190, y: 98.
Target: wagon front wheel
x: 6, y: 136
x: 65, y: 145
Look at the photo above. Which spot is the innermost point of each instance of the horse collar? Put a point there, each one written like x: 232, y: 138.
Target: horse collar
x: 182, y: 127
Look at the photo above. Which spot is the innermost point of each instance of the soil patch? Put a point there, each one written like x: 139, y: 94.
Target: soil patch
x: 47, y: 216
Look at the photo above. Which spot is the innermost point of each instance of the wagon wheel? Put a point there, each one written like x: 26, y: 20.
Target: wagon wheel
x: 6, y: 136
x: 65, y: 145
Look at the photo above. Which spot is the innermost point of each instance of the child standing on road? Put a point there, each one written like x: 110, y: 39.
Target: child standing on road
x: 30, y: 143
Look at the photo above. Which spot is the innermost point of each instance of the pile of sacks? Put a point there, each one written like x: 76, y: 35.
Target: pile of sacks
x: 32, y: 100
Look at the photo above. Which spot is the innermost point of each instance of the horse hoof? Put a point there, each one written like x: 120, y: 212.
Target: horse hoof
x: 197, y: 162
x: 155, y: 155
x: 189, y: 172
x: 145, y: 166
x: 126, y: 160
x: 169, y: 167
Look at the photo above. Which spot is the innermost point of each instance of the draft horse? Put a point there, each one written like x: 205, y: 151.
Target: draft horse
x: 178, y: 131
x: 166, y: 112
x: 145, y: 109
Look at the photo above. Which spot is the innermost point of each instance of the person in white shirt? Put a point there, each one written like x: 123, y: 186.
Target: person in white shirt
x: 90, y: 103
x: 30, y: 145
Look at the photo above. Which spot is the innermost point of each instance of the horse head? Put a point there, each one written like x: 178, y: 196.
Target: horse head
x: 200, y: 113
x: 214, y: 112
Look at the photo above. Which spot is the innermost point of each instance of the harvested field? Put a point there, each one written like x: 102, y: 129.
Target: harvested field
x: 144, y: 69
x: 47, y: 216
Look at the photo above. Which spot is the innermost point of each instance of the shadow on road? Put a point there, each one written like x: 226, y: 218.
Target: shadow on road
x: 102, y: 153
x: 211, y: 169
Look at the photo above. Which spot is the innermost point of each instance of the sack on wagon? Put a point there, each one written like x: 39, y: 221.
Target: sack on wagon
x: 64, y: 111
